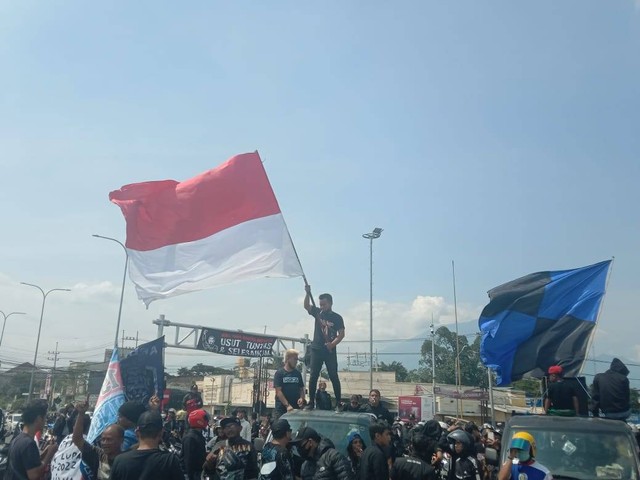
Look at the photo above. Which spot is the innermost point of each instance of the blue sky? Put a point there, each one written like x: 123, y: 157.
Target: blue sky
x: 502, y: 135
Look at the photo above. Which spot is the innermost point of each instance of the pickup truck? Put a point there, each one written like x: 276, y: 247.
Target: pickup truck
x: 577, y: 448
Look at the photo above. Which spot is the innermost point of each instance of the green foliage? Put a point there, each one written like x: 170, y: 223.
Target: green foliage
x: 472, y: 373
x: 402, y: 373
x: 530, y: 386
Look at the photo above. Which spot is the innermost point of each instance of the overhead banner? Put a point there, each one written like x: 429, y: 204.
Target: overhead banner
x: 143, y: 372
x: 238, y: 344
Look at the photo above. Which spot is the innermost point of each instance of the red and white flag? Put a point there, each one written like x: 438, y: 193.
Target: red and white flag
x: 220, y: 227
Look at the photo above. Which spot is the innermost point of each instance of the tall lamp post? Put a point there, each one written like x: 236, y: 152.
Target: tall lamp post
x: 4, y: 323
x: 35, y: 355
x: 124, y: 280
x: 371, y: 237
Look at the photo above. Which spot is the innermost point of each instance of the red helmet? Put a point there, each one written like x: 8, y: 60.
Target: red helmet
x: 198, y: 419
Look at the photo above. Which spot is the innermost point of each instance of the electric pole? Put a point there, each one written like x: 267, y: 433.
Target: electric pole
x: 55, y: 354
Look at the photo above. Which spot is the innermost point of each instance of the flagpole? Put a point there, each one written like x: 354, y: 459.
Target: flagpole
x: 593, y: 334
x: 457, y: 366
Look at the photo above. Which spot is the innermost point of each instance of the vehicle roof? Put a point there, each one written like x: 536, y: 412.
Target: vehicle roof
x: 329, y: 415
x: 567, y: 423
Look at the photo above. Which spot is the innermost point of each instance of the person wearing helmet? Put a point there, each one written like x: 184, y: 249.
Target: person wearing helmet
x: 561, y: 397
x: 193, y: 444
x: 521, y: 462
x: 464, y: 464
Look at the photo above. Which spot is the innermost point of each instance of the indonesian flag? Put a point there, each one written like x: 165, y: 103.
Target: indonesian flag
x: 220, y: 227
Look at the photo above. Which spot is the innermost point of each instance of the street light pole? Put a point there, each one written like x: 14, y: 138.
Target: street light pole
x: 124, y: 280
x: 35, y: 355
x: 371, y: 237
x: 4, y: 323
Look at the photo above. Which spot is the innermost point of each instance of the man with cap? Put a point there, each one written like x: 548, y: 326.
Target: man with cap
x: 147, y: 462
x: 194, y: 449
x: 231, y: 456
x: 128, y: 415
x: 322, y: 460
x: 561, y: 398
x: 276, y: 459
x: 521, y: 462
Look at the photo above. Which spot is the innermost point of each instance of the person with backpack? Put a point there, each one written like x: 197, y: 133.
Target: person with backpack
x: 276, y: 458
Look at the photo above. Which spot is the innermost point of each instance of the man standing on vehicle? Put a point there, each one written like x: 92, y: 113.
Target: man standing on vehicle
x: 561, y: 398
x: 521, y: 463
x: 288, y: 384
x: 610, y: 392
x: 327, y: 334
x: 374, y: 406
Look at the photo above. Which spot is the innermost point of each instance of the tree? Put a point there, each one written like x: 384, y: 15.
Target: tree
x: 471, y: 371
x: 530, y: 386
x: 401, y: 371
x: 201, y: 370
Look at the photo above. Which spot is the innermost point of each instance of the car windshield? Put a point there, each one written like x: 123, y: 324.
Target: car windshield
x: 586, y: 455
x: 337, y: 432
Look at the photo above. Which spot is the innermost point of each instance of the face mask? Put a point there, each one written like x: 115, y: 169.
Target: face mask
x: 523, y: 456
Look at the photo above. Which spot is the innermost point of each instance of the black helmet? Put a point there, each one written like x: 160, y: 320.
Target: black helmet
x: 460, y: 436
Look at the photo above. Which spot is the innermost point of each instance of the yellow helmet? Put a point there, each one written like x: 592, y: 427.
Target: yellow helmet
x: 524, y: 441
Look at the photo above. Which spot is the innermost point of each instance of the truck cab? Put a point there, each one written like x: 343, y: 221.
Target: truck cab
x: 577, y: 448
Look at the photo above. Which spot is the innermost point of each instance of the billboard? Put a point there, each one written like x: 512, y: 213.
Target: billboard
x: 421, y: 408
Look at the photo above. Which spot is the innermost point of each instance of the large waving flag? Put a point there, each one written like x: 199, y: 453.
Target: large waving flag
x: 541, y: 319
x: 220, y: 227
x: 109, y: 401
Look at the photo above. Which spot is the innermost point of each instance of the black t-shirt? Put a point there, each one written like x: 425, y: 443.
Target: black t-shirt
x: 291, y: 384
x: 146, y: 465
x: 412, y: 468
x: 23, y: 456
x: 193, y: 452
x: 327, y: 325
x: 561, y: 395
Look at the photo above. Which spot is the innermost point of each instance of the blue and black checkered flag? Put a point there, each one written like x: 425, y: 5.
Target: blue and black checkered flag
x: 541, y: 319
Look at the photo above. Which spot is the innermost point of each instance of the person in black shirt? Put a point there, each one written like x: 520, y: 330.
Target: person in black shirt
x: 323, y: 398
x: 327, y: 334
x: 373, y: 464
x: 24, y: 457
x: 561, y: 398
x: 194, y: 449
x: 417, y: 465
x: 277, y: 463
x: 289, y: 385
x: 374, y: 406
x: 147, y: 462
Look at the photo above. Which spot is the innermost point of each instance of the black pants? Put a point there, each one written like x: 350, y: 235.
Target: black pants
x: 330, y: 359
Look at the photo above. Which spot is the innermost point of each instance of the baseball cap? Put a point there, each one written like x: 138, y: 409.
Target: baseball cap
x: 150, y: 419
x: 198, y: 419
x: 230, y: 420
x: 555, y: 370
x: 280, y: 427
x: 305, y: 433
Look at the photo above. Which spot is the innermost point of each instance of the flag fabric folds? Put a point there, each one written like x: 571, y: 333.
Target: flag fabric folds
x: 219, y: 227
x: 540, y: 320
x: 109, y: 401
x: 143, y: 372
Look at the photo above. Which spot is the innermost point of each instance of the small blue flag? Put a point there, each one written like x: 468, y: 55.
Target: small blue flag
x: 540, y: 320
x: 109, y: 401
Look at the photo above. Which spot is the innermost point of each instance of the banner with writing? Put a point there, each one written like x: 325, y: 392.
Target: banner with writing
x: 143, y: 372
x: 238, y: 344
x: 109, y: 401
x: 67, y: 462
